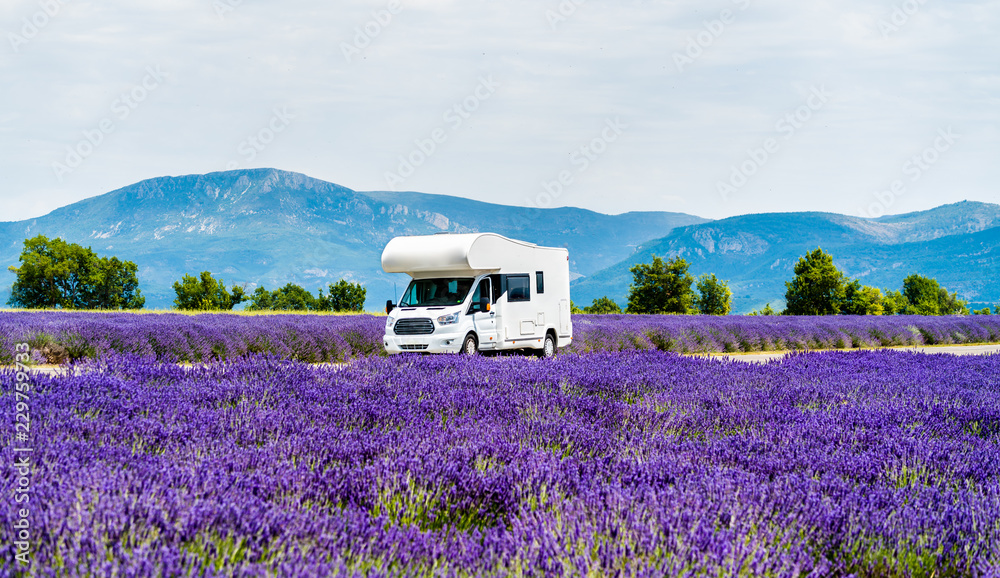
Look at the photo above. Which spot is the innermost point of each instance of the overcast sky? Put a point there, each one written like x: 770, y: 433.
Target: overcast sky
x: 709, y: 107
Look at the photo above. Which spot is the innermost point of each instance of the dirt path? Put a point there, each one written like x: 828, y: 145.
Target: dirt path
x: 764, y: 357
x: 761, y: 357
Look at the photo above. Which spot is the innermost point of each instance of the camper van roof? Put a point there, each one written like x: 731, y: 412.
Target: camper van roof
x: 455, y: 253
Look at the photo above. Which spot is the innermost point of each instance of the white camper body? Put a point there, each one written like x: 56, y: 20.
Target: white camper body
x: 477, y: 291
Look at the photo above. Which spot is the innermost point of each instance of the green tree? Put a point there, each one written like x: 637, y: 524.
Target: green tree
x: 573, y: 309
x: 603, y: 306
x: 926, y: 297
x: 819, y: 288
x: 894, y: 303
x: 260, y: 300
x: 661, y: 287
x: 291, y: 297
x: 206, y: 293
x: 950, y: 304
x: 922, y: 295
x: 983, y: 311
x: 862, y: 300
x: 714, y: 296
x: 344, y: 296
x: 767, y: 310
x: 57, y: 274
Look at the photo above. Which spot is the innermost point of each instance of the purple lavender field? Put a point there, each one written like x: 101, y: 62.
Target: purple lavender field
x: 636, y: 463
x: 707, y: 334
x: 60, y: 336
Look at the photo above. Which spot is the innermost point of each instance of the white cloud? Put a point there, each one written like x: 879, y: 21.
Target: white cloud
x: 227, y: 73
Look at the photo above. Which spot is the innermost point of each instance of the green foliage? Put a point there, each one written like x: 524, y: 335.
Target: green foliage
x: 767, y: 310
x: 921, y: 295
x: 603, y: 306
x: 661, y: 287
x: 925, y: 296
x: 291, y: 297
x: 57, y: 274
x: 983, y: 311
x: 950, y: 304
x: 714, y: 296
x: 862, y: 300
x: 206, y: 293
x: 573, y: 309
x: 819, y: 288
x: 894, y: 303
x: 344, y: 296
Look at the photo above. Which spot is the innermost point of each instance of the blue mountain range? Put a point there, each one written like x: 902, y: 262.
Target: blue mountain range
x: 265, y: 227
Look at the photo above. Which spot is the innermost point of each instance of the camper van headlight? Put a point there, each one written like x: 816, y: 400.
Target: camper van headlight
x: 449, y: 319
x: 388, y: 322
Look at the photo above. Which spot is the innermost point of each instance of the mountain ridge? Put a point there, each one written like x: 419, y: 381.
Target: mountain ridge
x: 269, y: 227
x: 756, y: 253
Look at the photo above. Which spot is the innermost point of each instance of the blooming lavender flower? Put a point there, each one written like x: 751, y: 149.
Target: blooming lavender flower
x: 637, y: 463
x: 61, y: 336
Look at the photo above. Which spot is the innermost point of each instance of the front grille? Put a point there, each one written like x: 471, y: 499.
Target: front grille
x: 414, y: 327
x: 413, y: 347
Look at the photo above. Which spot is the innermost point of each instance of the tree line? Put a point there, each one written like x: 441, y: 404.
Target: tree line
x: 205, y: 292
x: 54, y: 274
x: 818, y: 288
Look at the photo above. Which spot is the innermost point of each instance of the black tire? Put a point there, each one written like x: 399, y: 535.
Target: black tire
x: 471, y: 345
x: 548, y: 347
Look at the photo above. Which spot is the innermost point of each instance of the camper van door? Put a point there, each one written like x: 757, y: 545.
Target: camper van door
x: 484, y: 318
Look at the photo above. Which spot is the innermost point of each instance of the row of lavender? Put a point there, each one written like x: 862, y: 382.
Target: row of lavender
x: 706, y: 334
x: 58, y: 336
x: 614, y: 464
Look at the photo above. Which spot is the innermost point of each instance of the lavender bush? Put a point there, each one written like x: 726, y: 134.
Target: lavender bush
x: 613, y: 464
x: 61, y: 336
x: 707, y: 334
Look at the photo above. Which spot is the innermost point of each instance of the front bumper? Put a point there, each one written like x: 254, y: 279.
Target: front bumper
x: 438, y: 342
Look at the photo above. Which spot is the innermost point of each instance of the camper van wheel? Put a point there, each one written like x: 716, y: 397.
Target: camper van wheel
x: 549, y: 347
x: 471, y: 345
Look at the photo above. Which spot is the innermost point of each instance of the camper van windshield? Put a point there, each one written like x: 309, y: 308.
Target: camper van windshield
x: 431, y: 292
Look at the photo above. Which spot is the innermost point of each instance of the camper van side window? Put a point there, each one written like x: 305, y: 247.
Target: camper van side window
x: 482, y: 292
x: 518, y: 288
x: 540, y: 282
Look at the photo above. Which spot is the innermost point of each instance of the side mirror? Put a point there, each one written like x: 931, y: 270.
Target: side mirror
x: 389, y: 306
x: 484, y: 304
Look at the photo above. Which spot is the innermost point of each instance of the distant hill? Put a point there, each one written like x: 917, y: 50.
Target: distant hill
x: 270, y: 227
x: 957, y: 244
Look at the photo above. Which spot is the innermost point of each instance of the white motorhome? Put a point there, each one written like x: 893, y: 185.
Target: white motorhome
x: 477, y: 292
